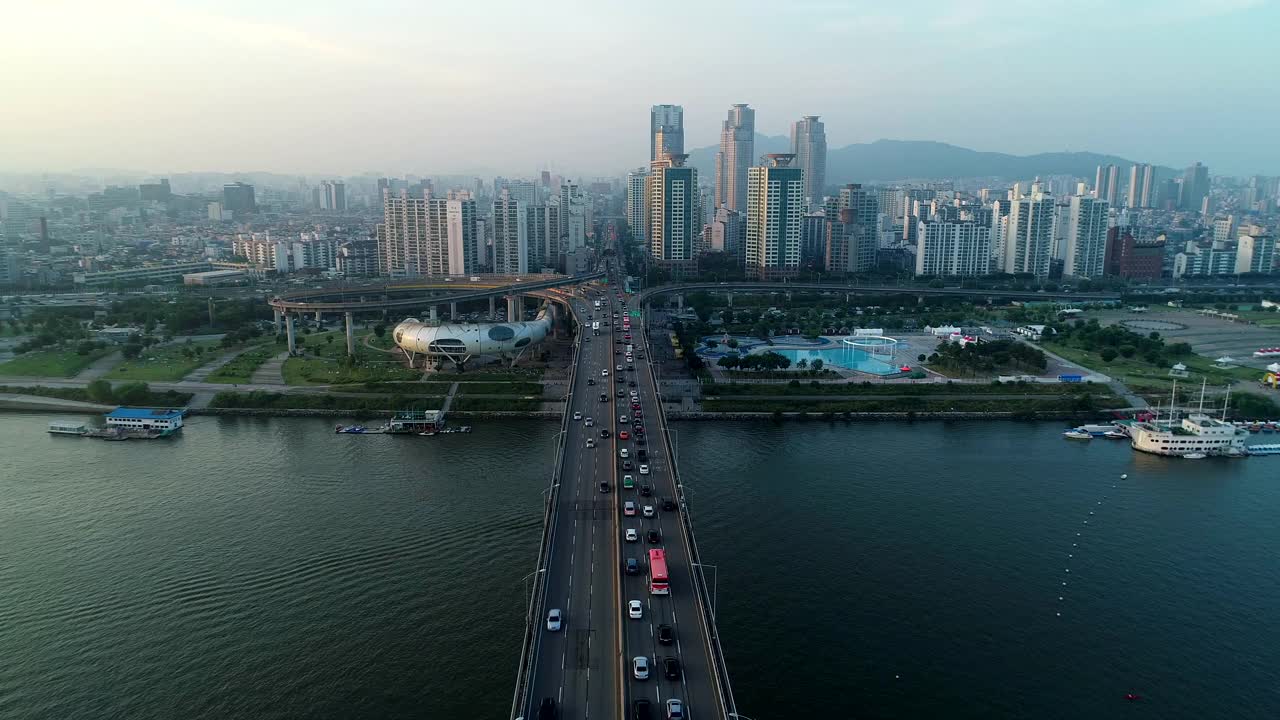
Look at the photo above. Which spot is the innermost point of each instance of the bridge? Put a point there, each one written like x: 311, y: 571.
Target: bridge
x: 732, y: 287
x: 585, y: 667
x: 412, y: 295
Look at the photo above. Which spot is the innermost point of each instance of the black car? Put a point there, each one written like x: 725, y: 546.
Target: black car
x: 632, y: 566
x: 605, y: 433
x: 640, y: 440
x: 604, y: 397
x: 653, y: 536
x: 645, y: 490
x: 547, y: 710
x: 604, y: 486
x: 621, y: 394
x: 666, y: 635
x: 644, y: 454
x: 671, y: 668
x: 631, y: 383
x: 591, y: 381
x: 640, y: 709
x: 668, y: 504
x: 626, y: 465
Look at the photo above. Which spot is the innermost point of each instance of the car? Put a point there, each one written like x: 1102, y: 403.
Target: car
x: 654, y: 536
x: 591, y: 381
x: 628, y: 481
x: 588, y: 422
x: 604, y: 373
x: 624, y: 435
x: 632, y: 566
x: 604, y: 486
x: 617, y: 352
x: 645, y: 490
x: 623, y: 419
x: 631, y: 383
x: 647, y: 511
x: 635, y: 393
x: 640, y: 667
x: 619, y: 368
x: 591, y: 442
x: 627, y: 466
x: 547, y: 710
x: 666, y: 635
x: 604, y: 397
x: 629, y: 508
x: 630, y: 366
x: 644, y: 469
x: 620, y: 394
x: 675, y: 709
x: 624, y: 453
x: 554, y: 618
x: 631, y: 535
x: 577, y: 416
x: 668, y: 504
x: 641, y: 709
x: 635, y: 610
x: 635, y: 406
x: 640, y: 439
x: 671, y: 668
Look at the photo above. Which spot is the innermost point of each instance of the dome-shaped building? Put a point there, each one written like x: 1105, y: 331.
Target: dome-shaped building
x: 460, y: 342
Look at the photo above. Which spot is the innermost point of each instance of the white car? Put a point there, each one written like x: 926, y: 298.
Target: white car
x: 591, y: 442
x: 604, y: 373
x: 577, y: 416
x: 632, y: 535
x: 635, y: 611
x: 619, y: 368
x: 640, y: 667
x: 644, y: 469
x: 624, y: 453
x: 554, y: 619
x: 648, y: 511
x: 635, y: 393
x: 624, y: 419
x: 629, y: 508
x: 589, y: 422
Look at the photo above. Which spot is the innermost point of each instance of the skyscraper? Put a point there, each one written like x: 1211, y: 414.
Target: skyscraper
x: 238, y: 198
x: 1107, y: 184
x: 674, y: 226
x: 809, y: 145
x: 852, y: 230
x: 666, y: 131
x: 333, y: 195
x: 635, y: 210
x: 402, y: 235
x: 1147, y: 197
x: 775, y: 217
x: 1029, y: 241
x: 573, y: 218
x: 737, y: 146
x: 510, y: 235
x: 1086, y: 237
x: 1195, y: 188
x: 1134, y: 197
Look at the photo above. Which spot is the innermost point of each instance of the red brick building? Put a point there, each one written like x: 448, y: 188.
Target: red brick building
x: 1127, y: 257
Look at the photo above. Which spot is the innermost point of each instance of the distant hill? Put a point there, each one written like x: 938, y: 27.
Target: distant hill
x: 887, y: 160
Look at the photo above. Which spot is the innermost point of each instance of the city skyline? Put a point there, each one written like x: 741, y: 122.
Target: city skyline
x: 124, y: 75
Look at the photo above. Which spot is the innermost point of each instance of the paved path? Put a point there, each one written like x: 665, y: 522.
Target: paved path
x: 16, y: 401
x: 100, y: 367
x: 202, y: 372
x: 270, y: 372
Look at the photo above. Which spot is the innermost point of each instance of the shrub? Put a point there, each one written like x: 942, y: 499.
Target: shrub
x: 1108, y: 354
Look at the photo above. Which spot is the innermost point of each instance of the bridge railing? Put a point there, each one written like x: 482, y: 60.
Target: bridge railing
x: 532, y: 643
x: 706, y: 617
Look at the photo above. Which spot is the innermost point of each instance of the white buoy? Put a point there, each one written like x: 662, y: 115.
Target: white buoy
x: 1059, y: 597
x: 1068, y: 569
x: 897, y: 677
x: 1124, y: 476
x: 1077, y: 534
x: 1086, y: 522
x: 1064, y: 584
x: 1058, y: 614
x: 1075, y: 544
x: 1070, y: 555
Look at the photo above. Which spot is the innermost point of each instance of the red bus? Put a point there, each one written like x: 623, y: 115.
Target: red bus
x: 658, y: 573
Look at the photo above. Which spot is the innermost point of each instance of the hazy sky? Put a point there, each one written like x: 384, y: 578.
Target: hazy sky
x: 491, y: 86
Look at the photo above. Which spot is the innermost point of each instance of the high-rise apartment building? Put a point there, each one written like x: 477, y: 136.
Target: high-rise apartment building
x: 813, y: 237
x: 1195, y: 188
x: 666, y: 131
x: 674, y: 217
x: 737, y: 146
x: 238, y: 198
x: 1255, y: 254
x: 1029, y: 234
x: 809, y: 145
x: 1107, y: 184
x: 953, y: 248
x: 1086, y: 238
x: 729, y: 234
x: 333, y: 195
x: 775, y: 217
x: 1140, y: 180
x: 573, y: 218
x: 429, y: 236
x: 510, y: 235
x: 544, y: 249
x: 635, y: 210
x: 852, y: 230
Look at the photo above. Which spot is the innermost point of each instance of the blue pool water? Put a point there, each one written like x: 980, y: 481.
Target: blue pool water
x: 840, y: 356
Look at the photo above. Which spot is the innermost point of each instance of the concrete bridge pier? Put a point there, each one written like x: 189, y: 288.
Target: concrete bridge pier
x: 453, y: 311
x: 492, y: 306
x: 729, y: 297
x: 319, y: 317
x: 680, y: 302
x: 276, y: 312
x: 288, y: 328
x: 351, y: 336
x: 435, y: 314
x: 514, y: 305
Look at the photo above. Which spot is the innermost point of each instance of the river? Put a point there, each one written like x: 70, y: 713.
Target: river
x: 266, y: 568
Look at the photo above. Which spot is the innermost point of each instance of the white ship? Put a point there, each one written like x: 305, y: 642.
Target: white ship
x: 1197, y: 433
x: 1267, y: 352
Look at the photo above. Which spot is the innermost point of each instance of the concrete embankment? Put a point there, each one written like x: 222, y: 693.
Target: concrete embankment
x: 913, y: 415
x: 327, y: 413
x: 38, y: 403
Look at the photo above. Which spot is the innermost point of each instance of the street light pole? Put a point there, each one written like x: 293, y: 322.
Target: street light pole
x: 715, y: 582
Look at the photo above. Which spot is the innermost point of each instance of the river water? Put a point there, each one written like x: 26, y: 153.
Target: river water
x: 266, y: 568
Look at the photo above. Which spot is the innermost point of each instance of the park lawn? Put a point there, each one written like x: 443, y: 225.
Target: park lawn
x: 165, y: 362
x: 240, y: 368
x: 384, y: 343
x: 1138, y: 373
x: 499, y: 388
x: 322, y: 363
x: 1094, y: 403
x: 51, y: 363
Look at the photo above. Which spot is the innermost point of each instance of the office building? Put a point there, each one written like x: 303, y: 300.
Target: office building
x: 1029, y: 233
x: 953, y: 248
x: 775, y: 217
x: 1086, y: 238
x: 809, y: 145
x: 1195, y: 188
x: 155, y: 192
x: 1255, y: 254
x: 666, y: 131
x: 813, y: 237
x: 238, y: 198
x: 510, y: 235
x: 737, y: 148
x: 1129, y: 258
x: 635, y: 209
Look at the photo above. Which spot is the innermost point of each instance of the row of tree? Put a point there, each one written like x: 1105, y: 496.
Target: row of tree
x: 762, y: 361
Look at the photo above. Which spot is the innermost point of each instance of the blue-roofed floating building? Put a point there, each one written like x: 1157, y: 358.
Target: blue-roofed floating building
x: 163, y: 422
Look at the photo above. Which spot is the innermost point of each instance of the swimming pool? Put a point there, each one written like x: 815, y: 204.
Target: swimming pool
x: 845, y: 357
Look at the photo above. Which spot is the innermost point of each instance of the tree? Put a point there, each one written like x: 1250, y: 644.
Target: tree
x: 921, y: 357
x: 1108, y: 354
x: 100, y: 391
x: 133, y: 394
x: 131, y: 350
x: 84, y: 347
x: 937, y: 284
x: 328, y: 339
x: 380, y: 330
x: 711, y: 344
x: 817, y: 365
x: 1127, y: 351
x: 733, y: 343
x: 802, y: 364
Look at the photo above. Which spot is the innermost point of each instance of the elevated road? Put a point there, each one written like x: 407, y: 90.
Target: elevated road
x: 425, y: 291
x: 871, y: 290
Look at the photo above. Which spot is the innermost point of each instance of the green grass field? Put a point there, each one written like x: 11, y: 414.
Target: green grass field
x: 240, y: 369
x: 51, y: 363
x: 165, y: 362
x: 1138, y: 373
x: 322, y: 363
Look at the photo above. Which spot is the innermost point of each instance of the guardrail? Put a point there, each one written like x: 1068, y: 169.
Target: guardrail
x: 723, y: 686
x: 532, y: 643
